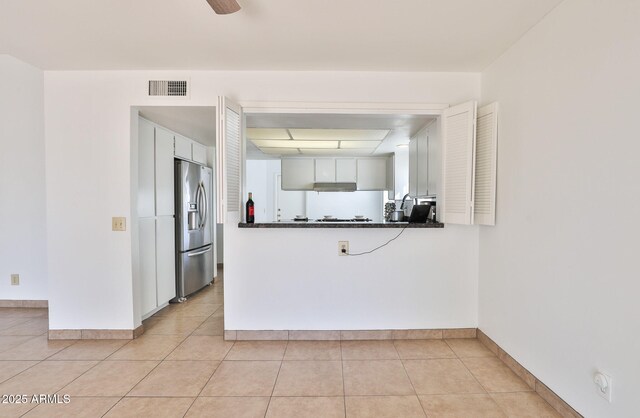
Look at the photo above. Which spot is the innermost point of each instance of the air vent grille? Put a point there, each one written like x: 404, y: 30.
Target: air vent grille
x: 168, y: 88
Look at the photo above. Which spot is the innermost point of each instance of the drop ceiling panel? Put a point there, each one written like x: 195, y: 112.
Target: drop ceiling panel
x: 337, y: 152
x: 280, y: 151
x: 339, y: 134
x: 268, y: 143
x: 359, y: 144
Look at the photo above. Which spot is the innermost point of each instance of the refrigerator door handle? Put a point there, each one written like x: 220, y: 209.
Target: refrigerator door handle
x: 199, y: 203
x: 205, y: 206
x: 200, y: 252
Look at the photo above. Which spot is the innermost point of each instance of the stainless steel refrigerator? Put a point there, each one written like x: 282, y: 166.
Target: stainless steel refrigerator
x: 194, y: 228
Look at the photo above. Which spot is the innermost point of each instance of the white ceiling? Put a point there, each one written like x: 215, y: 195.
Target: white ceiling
x: 368, y: 35
x: 195, y: 122
x: 401, y: 128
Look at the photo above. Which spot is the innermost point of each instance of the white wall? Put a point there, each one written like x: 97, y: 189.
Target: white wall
x: 559, y: 272
x: 22, y: 181
x: 88, y: 130
x: 346, y: 205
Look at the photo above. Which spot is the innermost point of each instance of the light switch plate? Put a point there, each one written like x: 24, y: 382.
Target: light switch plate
x: 118, y: 224
x: 15, y: 280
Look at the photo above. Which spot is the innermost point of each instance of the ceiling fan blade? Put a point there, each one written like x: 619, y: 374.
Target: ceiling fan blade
x: 224, y: 7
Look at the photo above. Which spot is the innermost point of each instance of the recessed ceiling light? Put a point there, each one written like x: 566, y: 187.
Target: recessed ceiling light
x: 359, y: 144
x: 272, y: 143
x: 267, y: 133
x: 336, y: 152
x: 280, y: 151
x: 339, y: 134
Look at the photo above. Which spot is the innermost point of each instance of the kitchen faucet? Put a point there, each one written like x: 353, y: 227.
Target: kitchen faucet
x: 403, y: 199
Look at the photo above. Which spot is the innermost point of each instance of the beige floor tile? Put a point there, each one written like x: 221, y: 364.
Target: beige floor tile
x: 494, y: 375
x: 89, y: 350
x: 369, y: 350
x: 35, y: 326
x: 214, y: 326
x: 150, y: 407
x: 376, y: 377
x: 35, y: 348
x: 12, y: 410
x: 197, y: 309
x: 309, y: 407
x: 214, y: 296
x: 8, y: 369
x: 46, y: 377
x: 110, y: 378
x: 461, y: 406
x: 176, y: 378
x: 9, y: 342
x: 313, y: 350
x: 524, y: 405
x: 309, y: 378
x: 24, y: 312
x: 173, y: 325
x: 201, y: 347
x: 243, y: 378
x: 467, y: 347
x: 77, y: 408
x: 384, y: 407
x: 232, y: 407
x: 257, y: 350
x: 441, y: 376
x: 423, y: 349
x: 148, y: 347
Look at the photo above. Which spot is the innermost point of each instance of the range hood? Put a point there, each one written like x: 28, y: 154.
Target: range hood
x: 335, y: 187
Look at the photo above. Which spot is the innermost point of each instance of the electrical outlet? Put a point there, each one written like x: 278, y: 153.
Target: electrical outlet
x: 119, y: 224
x: 603, y: 385
x: 343, y: 248
x: 15, y: 280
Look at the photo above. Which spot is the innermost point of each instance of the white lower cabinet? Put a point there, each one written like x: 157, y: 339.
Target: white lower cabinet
x: 157, y: 262
x: 165, y: 259
x: 147, y: 254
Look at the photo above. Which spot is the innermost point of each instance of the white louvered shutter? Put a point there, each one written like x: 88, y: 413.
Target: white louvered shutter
x: 228, y: 157
x: 458, y: 143
x: 484, y: 201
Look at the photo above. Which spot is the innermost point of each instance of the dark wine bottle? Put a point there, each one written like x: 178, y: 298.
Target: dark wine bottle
x: 250, y: 211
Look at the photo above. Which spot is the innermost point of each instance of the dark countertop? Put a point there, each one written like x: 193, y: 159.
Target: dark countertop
x: 312, y: 224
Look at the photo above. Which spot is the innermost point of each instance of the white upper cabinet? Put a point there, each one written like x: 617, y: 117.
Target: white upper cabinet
x: 146, y: 169
x: 484, y: 201
x: 164, y: 173
x: 199, y: 153
x: 346, y: 171
x: 325, y: 170
x: 413, y: 166
x: 372, y: 173
x: 298, y: 173
x: 182, y: 147
x: 458, y: 145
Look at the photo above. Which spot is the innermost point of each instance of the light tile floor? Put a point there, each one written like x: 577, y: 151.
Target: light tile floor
x: 182, y: 367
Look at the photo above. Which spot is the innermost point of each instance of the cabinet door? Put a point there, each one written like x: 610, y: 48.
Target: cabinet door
x: 165, y: 256
x: 199, y: 153
x: 298, y: 173
x: 325, y: 170
x: 182, y: 148
x: 413, y: 166
x: 164, y: 173
x: 372, y: 173
x: 147, y: 237
x: 346, y: 171
x: 423, y: 163
x: 146, y: 202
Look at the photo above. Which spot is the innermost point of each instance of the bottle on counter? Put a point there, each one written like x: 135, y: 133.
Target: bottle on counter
x: 250, y: 210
